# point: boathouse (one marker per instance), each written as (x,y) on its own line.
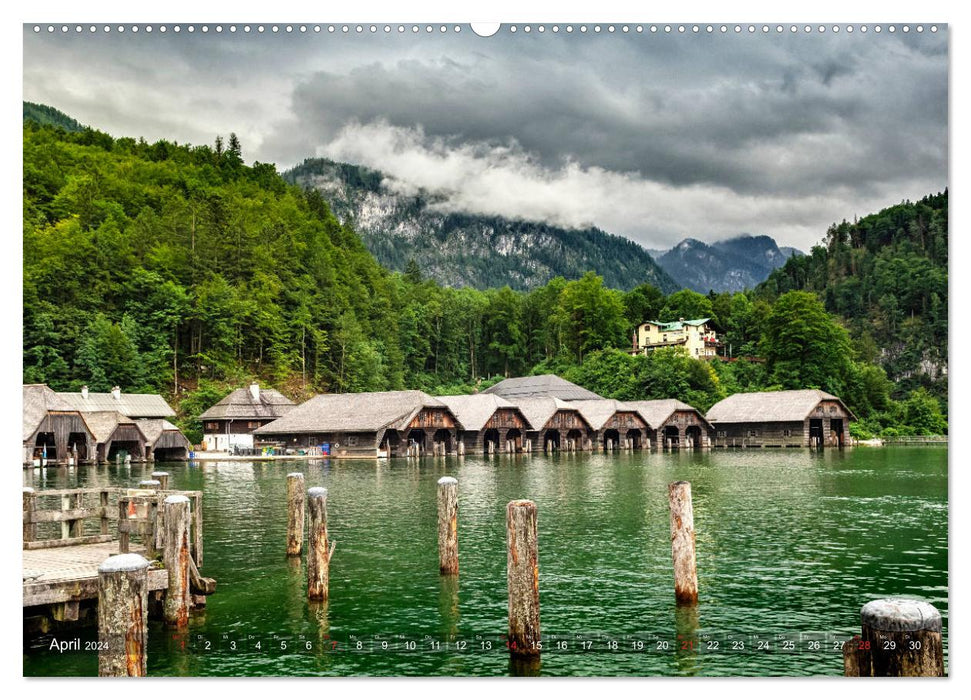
(798,418)
(131,405)
(613,424)
(489,423)
(540,386)
(115,434)
(53,430)
(230,423)
(555,425)
(675,424)
(164,441)
(373,424)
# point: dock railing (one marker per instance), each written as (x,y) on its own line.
(68,517)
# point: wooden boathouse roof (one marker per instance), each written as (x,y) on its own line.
(242,404)
(353,413)
(473,411)
(770,406)
(132,405)
(103,423)
(154,429)
(658,411)
(598,412)
(38,400)
(539,410)
(543,385)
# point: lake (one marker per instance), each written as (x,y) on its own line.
(790,545)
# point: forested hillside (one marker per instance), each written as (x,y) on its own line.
(885,275)
(179,269)
(48,116)
(469,250)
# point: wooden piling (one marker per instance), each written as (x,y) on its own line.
(153,484)
(904,638)
(296,507)
(522,575)
(318,552)
(163,480)
(856,660)
(461,448)
(30,528)
(175,556)
(448,536)
(683,543)
(123,615)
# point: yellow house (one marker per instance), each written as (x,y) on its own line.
(696,336)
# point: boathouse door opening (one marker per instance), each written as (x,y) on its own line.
(672,433)
(551,441)
(634,435)
(443,436)
(692,435)
(491,437)
(575,438)
(417,436)
(515,437)
(611,439)
(78,441)
(836,431)
(816,431)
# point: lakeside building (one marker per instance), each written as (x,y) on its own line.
(613,424)
(371,424)
(489,422)
(542,385)
(673,423)
(230,423)
(796,418)
(53,430)
(129,405)
(555,424)
(696,336)
(164,441)
(115,433)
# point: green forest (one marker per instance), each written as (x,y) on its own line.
(178,269)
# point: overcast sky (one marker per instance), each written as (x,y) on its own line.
(655,137)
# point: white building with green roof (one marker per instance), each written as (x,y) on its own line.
(697,336)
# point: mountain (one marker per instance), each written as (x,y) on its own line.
(470,250)
(48,116)
(886,276)
(731,265)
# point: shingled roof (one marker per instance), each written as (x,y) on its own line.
(539,410)
(352,413)
(473,411)
(38,400)
(132,405)
(152,428)
(656,412)
(241,404)
(103,423)
(770,406)
(548,385)
(598,412)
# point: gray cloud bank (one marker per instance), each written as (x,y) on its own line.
(652,137)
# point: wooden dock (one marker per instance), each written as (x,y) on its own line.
(69,533)
(66,574)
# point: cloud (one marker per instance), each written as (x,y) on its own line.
(504,179)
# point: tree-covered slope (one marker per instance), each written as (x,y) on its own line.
(49,116)
(468,250)
(885,275)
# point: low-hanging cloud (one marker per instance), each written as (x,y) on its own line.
(503,179)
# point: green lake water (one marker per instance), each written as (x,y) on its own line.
(790,545)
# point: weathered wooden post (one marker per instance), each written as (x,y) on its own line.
(30,528)
(856,659)
(163,480)
(448,536)
(175,556)
(904,638)
(296,507)
(461,448)
(319,551)
(123,615)
(153,484)
(522,575)
(683,543)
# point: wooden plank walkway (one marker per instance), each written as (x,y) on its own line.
(65,574)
